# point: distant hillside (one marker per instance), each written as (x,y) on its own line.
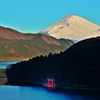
(73,27)
(78,66)
(9,33)
(18,46)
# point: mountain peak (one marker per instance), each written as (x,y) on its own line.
(70,16)
(66,19)
(73,27)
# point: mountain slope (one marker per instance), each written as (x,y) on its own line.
(9,33)
(21,49)
(77,68)
(73,27)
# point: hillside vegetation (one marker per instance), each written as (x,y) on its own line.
(13,49)
(78,66)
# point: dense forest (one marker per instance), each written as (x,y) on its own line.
(78,66)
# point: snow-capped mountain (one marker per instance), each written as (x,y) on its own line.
(73,27)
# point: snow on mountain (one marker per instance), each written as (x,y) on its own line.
(73,27)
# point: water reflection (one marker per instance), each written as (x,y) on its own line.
(50,88)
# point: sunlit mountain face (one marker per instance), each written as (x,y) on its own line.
(15,45)
(73,27)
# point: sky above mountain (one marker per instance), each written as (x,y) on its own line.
(36,15)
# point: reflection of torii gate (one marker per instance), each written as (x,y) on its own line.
(50,83)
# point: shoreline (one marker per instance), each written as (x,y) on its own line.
(79,90)
(4,60)
(58,88)
(3,77)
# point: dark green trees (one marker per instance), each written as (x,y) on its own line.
(77,66)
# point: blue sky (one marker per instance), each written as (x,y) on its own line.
(36,15)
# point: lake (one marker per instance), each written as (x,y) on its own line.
(39,93)
(3,64)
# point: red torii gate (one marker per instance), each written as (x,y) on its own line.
(50,83)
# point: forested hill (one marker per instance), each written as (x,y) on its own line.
(78,66)
(15,45)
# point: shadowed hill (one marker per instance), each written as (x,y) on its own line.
(78,66)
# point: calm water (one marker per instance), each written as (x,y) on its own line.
(3,64)
(37,93)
